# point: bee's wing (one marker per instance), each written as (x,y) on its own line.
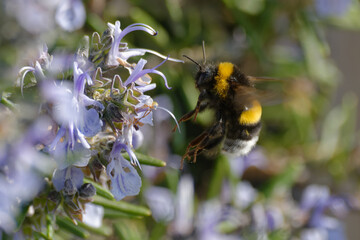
(263,79)
(246,95)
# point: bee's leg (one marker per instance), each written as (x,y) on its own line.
(204,141)
(200,106)
(195,142)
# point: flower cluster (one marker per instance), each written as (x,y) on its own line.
(91,120)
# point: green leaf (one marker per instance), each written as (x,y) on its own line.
(147,160)
(6,102)
(316,54)
(22,215)
(40,235)
(102,231)
(66,224)
(130,229)
(96,22)
(252,7)
(221,170)
(49,227)
(122,207)
(158,231)
(100,190)
(284,179)
(227,227)
(114,214)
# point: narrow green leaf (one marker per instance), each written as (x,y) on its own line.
(147,160)
(58,237)
(40,235)
(158,231)
(100,190)
(227,227)
(49,227)
(22,215)
(130,229)
(284,179)
(221,170)
(66,224)
(6,102)
(122,206)
(96,22)
(114,214)
(102,231)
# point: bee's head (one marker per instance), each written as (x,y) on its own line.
(204,78)
(205,74)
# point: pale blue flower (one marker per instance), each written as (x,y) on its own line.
(274,217)
(119,52)
(125,181)
(75,120)
(38,16)
(93,215)
(33,15)
(314,234)
(244,195)
(71,116)
(21,173)
(255,158)
(74,174)
(41,64)
(138,113)
(315,200)
(332,8)
(259,218)
(161,202)
(210,214)
(70,15)
(184,206)
(336,233)
(137,139)
(70,153)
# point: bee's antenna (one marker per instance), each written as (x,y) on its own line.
(200,67)
(204,55)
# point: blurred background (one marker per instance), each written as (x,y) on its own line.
(310,136)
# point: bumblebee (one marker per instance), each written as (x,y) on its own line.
(231,93)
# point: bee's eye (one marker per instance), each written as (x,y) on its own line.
(203,78)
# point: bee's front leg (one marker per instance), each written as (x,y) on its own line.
(200,106)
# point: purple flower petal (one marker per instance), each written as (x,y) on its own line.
(137,139)
(65,156)
(73,173)
(245,194)
(92,123)
(332,8)
(61,133)
(139,66)
(125,181)
(58,178)
(136,74)
(145,88)
(313,196)
(184,206)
